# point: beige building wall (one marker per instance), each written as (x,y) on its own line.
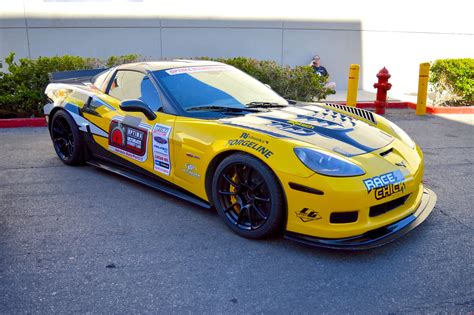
(396,34)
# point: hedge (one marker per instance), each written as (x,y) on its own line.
(452,82)
(22,87)
(298,83)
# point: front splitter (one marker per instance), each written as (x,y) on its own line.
(377,237)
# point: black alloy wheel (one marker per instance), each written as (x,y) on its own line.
(247,196)
(66,139)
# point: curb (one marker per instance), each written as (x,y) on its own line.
(429,109)
(446,110)
(23,122)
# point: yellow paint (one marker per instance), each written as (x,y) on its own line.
(194,143)
(422,89)
(352,85)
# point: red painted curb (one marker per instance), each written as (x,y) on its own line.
(372,104)
(429,109)
(389,105)
(446,110)
(22,122)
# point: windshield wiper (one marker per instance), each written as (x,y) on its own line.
(221,109)
(264,105)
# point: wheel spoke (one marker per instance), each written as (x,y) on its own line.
(260,212)
(237,175)
(258,184)
(246,175)
(261,199)
(230,181)
(70,148)
(57,130)
(249,214)
(231,206)
(240,216)
(249,176)
(227,193)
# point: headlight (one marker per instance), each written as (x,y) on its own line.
(327,163)
(403,135)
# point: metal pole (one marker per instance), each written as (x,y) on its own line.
(352,85)
(422,88)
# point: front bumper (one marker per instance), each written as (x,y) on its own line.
(377,237)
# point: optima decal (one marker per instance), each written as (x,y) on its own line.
(127,140)
(385,185)
(161,149)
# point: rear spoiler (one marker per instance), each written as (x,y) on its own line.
(73,76)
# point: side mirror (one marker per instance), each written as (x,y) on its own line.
(137,106)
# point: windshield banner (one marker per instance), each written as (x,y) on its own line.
(197,69)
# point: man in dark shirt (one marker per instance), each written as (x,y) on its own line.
(322,71)
(316,64)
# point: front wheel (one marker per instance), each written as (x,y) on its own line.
(248,197)
(66,139)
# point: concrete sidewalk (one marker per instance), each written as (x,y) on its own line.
(364,96)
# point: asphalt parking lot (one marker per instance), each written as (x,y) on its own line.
(78,239)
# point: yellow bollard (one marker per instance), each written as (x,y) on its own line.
(352,85)
(422,88)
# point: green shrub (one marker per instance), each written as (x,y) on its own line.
(298,83)
(452,81)
(22,88)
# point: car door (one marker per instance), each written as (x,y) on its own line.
(130,138)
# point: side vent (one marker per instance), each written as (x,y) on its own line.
(354,110)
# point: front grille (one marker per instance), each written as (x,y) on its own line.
(386,207)
(354,110)
(343,217)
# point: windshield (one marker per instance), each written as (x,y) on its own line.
(209,87)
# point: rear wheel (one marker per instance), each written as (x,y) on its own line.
(247,196)
(66,139)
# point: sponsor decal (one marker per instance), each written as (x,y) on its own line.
(127,140)
(386,184)
(193,156)
(176,71)
(401,164)
(161,149)
(252,145)
(245,142)
(245,135)
(307,215)
(300,124)
(191,170)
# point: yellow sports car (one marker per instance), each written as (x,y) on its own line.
(322,174)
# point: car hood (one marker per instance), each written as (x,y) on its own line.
(316,126)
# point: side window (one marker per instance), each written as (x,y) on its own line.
(150,95)
(100,79)
(129,85)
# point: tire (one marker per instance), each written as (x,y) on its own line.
(67,141)
(248,197)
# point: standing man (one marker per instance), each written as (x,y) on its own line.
(322,71)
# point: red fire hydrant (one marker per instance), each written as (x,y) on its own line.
(382,87)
